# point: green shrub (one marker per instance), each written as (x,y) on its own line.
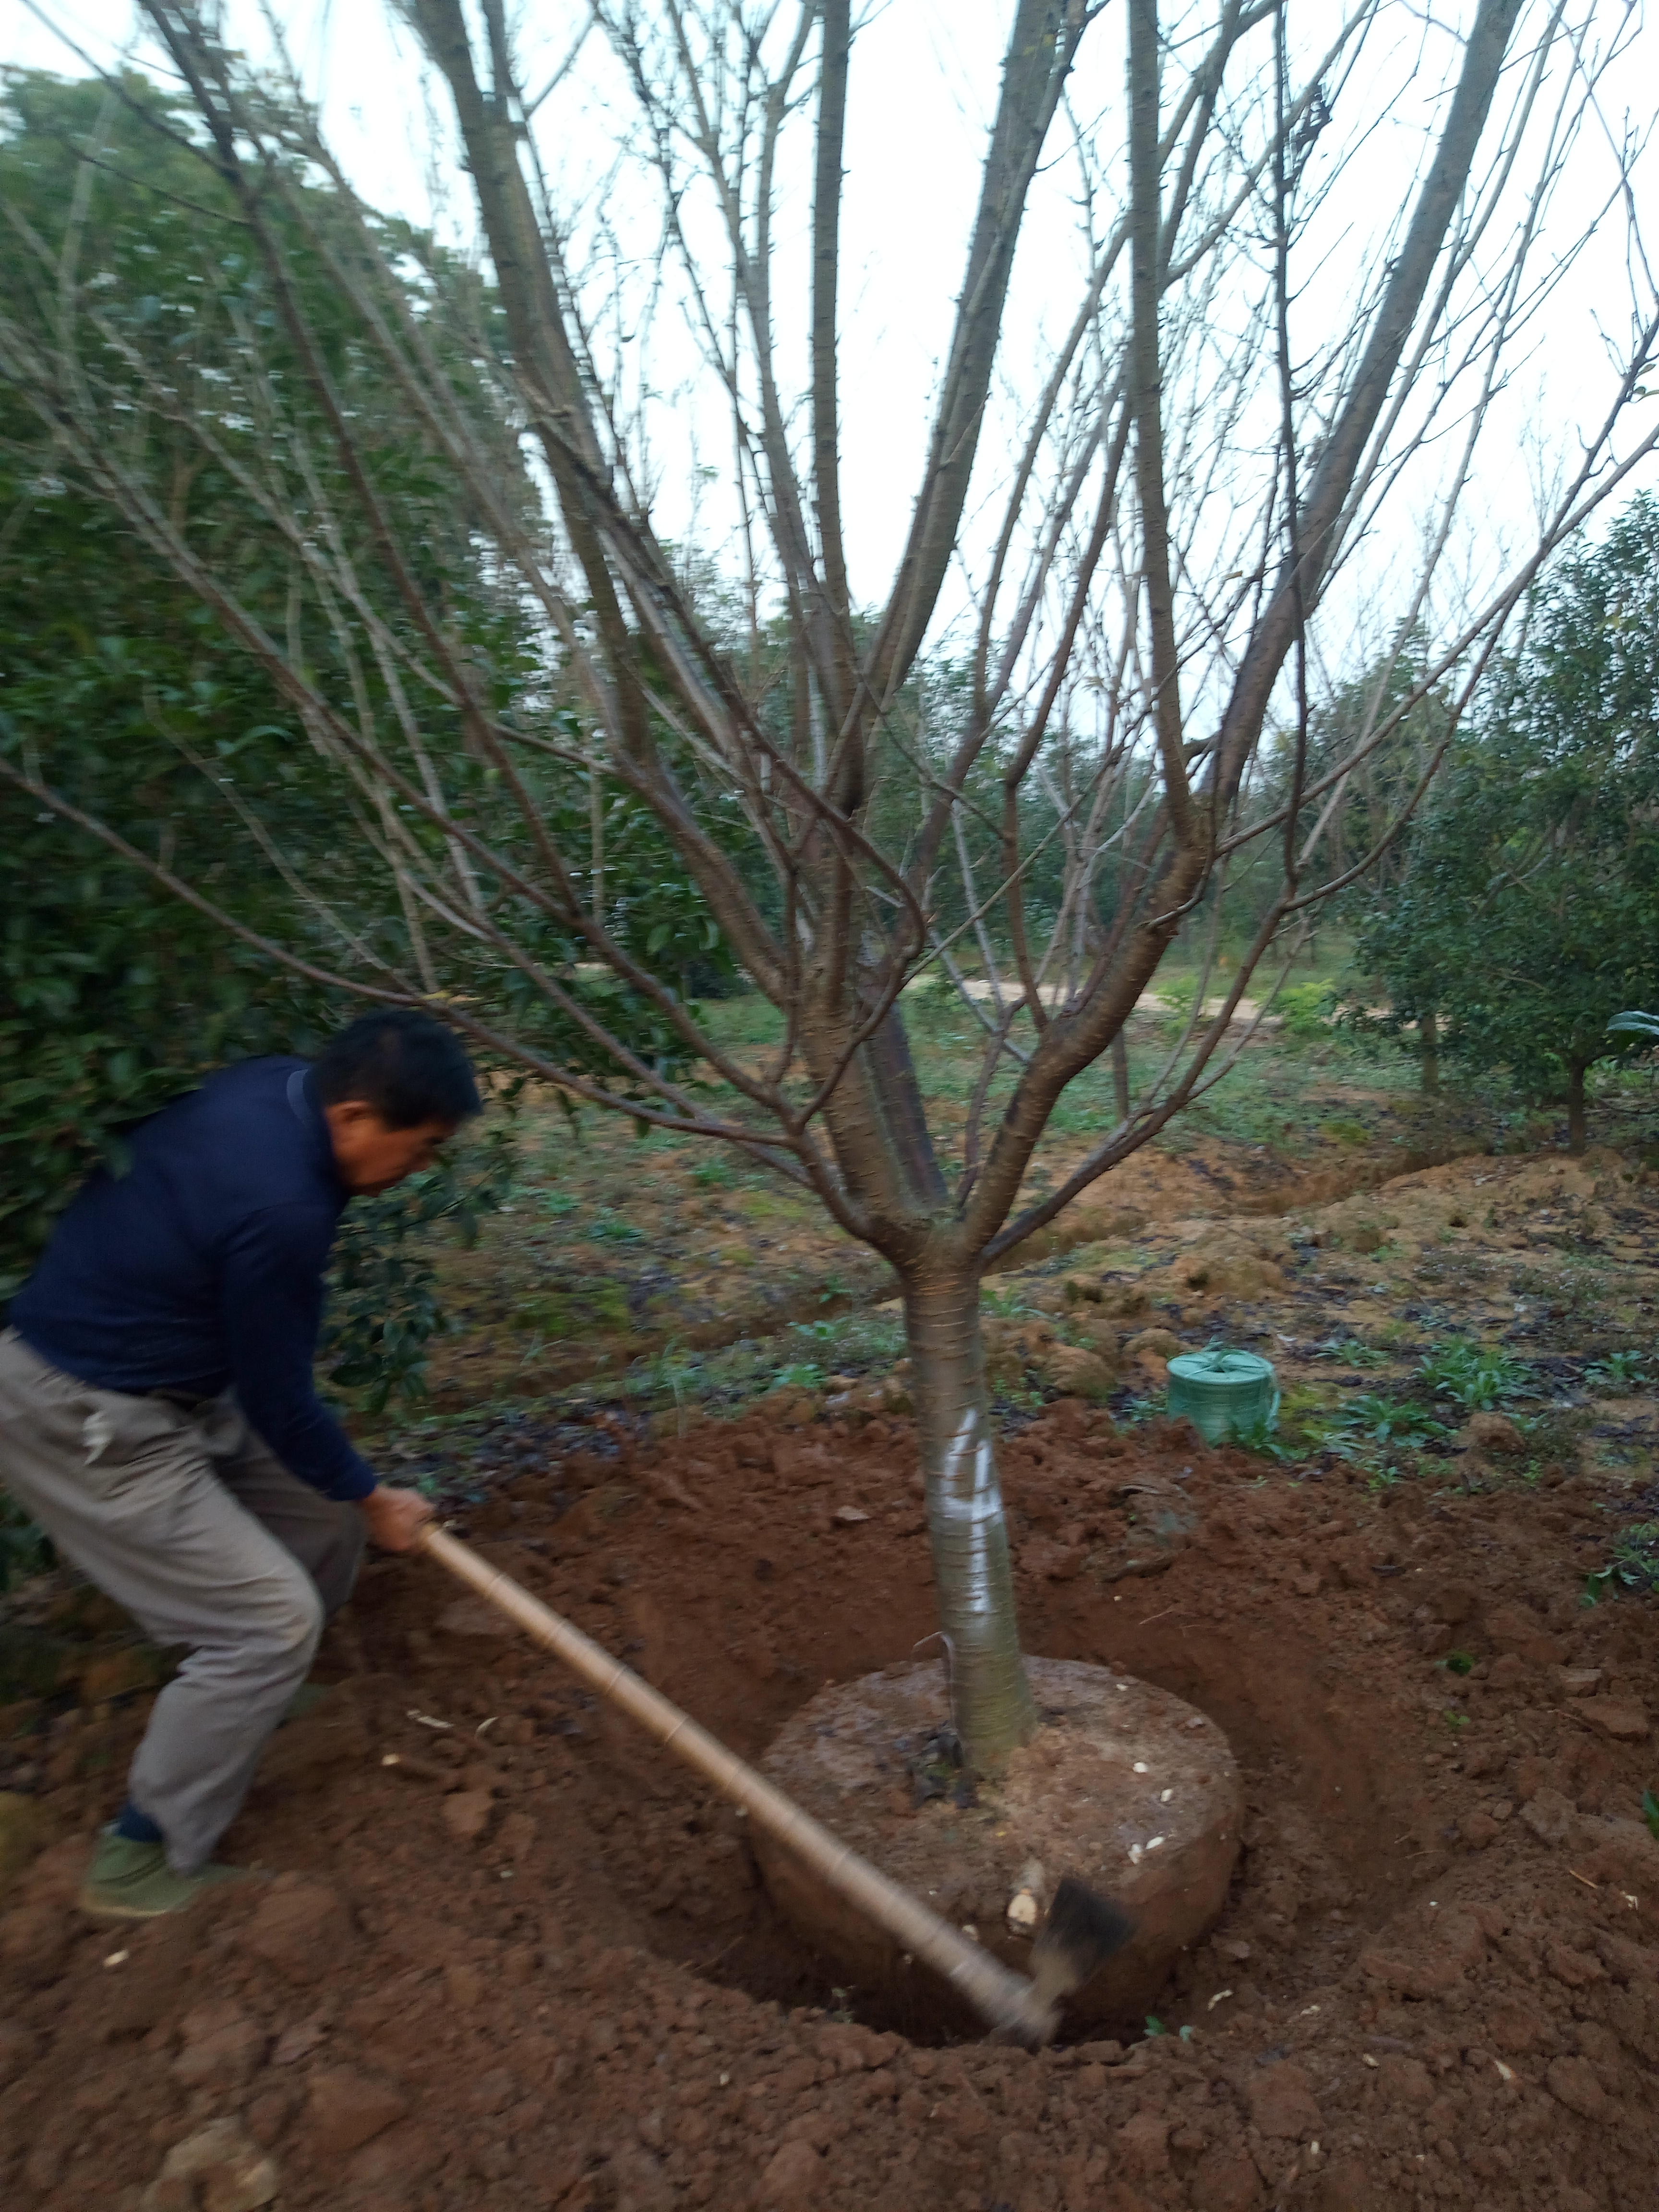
(1306,1011)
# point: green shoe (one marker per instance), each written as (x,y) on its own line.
(133,1881)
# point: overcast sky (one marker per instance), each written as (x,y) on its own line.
(924,80)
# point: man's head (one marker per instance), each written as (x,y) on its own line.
(393,1086)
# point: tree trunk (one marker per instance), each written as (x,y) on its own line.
(994,1708)
(1576,1131)
(1428,1042)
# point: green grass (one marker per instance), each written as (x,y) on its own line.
(1476,1376)
(609,1228)
(1619,1371)
(1634,1564)
(801,1357)
(1269,1097)
(1352,1351)
(552,1317)
(1371,1419)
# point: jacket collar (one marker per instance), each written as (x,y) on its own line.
(304,1105)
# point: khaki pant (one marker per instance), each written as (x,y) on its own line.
(188,1521)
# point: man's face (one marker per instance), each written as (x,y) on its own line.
(368,1157)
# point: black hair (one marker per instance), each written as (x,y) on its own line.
(407,1068)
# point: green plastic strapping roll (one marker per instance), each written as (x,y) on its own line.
(1221,1392)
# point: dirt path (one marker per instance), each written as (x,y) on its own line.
(513,1961)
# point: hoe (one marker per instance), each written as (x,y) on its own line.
(1081,1932)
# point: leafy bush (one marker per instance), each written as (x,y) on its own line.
(1528,914)
(1306,1012)
(384,1309)
(1180,995)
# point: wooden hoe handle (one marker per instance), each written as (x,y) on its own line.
(1007,2000)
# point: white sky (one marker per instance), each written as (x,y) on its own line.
(923,82)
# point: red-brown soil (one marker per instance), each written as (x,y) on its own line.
(529,1965)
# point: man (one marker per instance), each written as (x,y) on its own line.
(158,1416)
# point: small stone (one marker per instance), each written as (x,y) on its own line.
(1022,1912)
(1405,2081)
(1454,1601)
(347,2108)
(494,2091)
(1573,2082)
(1144,2142)
(1509,2024)
(1578,1681)
(467,1814)
(1576,1968)
(302,1929)
(849,1516)
(1514,1630)
(463,1986)
(224,2048)
(1549,1815)
(792,2176)
(1282,2104)
(1078,1371)
(1423,1963)
(518,1835)
(1613,1717)
(299,2041)
(218,2169)
(470,1620)
(1054,1563)
(1226,2180)
(268,2115)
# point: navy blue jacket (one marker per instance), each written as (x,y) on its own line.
(202,1267)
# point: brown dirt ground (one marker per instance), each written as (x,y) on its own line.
(528,1966)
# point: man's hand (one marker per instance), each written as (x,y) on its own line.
(395,1518)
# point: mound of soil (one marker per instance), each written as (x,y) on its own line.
(515,1960)
(1123,1787)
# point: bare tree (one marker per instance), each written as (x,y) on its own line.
(1183,496)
